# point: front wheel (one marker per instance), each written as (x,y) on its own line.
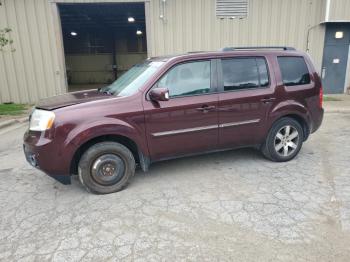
(106,167)
(284,140)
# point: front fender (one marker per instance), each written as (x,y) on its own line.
(105,126)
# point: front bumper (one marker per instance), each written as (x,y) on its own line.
(43,154)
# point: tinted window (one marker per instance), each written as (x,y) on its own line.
(263,73)
(242,73)
(187,79)
(133,79)
(294,71)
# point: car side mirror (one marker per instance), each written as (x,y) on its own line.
(159,94)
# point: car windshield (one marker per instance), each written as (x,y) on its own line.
(133,79)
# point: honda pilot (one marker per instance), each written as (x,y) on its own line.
(167,107)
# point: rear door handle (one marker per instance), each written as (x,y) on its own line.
(268,100)
(205,108)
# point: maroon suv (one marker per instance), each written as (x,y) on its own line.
(168,107)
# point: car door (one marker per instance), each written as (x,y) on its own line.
(246,93)
(188,122)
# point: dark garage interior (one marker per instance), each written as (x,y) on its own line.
(101,41)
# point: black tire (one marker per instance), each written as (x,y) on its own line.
(272,142)
(106,167)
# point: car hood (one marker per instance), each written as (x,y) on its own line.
(69,99)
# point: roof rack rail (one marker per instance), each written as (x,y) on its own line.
(257,47)
(195,52)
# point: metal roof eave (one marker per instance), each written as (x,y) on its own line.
(335,21)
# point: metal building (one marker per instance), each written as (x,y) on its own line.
(65,44)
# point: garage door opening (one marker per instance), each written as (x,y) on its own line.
(101,42)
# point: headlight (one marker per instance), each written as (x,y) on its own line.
(41,120)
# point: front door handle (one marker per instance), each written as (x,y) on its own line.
(205,108)
(268,100)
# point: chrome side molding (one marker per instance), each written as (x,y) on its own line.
(240,123)
(186,130)
(195,129)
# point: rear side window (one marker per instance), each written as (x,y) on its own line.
(244,73)
(263,73)
(294,70)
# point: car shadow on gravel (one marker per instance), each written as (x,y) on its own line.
(188,169)
(199,163)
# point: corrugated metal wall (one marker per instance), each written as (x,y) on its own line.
(193,25)
(36,69)
(33,71)
(339,10)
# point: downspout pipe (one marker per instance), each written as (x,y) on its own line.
(328,7)
(308,37)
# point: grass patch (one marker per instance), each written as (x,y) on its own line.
(330,98)
(12,109)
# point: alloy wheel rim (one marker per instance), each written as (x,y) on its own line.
(108,169)
(286,141)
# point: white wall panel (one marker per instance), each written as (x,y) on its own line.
(32,71)
(37,69)
(339,10)
(192,25)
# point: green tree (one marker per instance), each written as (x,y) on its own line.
(5,39)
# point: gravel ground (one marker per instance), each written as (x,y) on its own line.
(231,206)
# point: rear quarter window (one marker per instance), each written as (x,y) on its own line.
(294,70)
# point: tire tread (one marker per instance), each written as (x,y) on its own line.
(266,147)
(104,147)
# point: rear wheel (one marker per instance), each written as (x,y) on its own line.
(284,140)
(106,167)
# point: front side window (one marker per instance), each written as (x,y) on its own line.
(294,70)
(244,73)
(186,79)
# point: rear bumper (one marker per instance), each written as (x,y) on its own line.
(317,120)
(43,154)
